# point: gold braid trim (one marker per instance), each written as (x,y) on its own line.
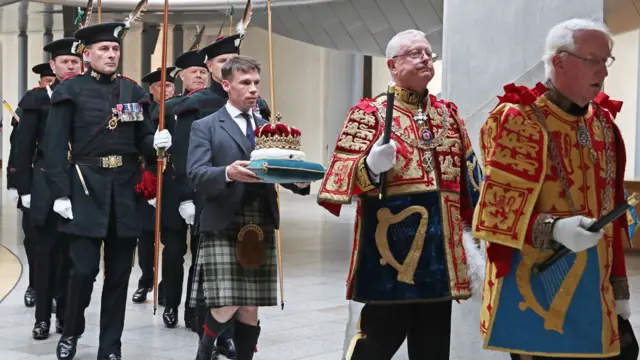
(363,181)
(620,285)
(542,231)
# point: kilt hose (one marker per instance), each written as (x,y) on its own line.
(220,280)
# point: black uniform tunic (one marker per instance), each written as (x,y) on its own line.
(29,179)
(52,253)
(81,108)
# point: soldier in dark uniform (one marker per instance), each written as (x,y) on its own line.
(197,106)
(52,251)
(103,118)
(178,208)
(146,241)
(47,77)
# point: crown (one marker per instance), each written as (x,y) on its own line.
(279,136)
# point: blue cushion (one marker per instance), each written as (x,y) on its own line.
(287,171)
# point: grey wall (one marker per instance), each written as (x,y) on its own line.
(506,45)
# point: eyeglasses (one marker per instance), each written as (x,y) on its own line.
(592,60)
(418,54)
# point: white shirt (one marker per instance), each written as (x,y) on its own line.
(237,117)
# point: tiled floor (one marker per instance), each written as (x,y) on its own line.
(316,249)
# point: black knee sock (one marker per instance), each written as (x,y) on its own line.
(246,339)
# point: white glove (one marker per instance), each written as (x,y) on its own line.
(188,211)
(63,207)
(162,139)
(152,202)
(13,194)
(381,157)
(571,232)
(26,201)
(623,309)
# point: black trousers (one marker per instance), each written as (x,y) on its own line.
(85,256)
(175,247)
(426,327)
(146,250)
(30,246)
(52,272)
(189,312)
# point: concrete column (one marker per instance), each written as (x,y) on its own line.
(506,45)
(149,37)
(23,45)
(178,48)
(47,24)
(486,46)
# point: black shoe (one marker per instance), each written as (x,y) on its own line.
(67,346)
(59,326)
(54,306)
(140,295)
(30,297)
(170,317)
(226,347)
(41,330)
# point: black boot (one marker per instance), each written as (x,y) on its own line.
(211,330)
(246,339)
(225,346)
(30,297)
(41,330)
(67,346)
(170,317)
(140,295)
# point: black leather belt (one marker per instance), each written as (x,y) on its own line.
(106,162)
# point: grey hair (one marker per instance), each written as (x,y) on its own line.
(562,37)
(394,44)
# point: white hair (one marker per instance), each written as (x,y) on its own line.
(394,44)
(562,37)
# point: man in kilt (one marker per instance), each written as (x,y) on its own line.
(235,271)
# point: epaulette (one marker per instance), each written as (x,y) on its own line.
(613,106)
(195,91)
(518,95)
(366,106)
(69,77)
(128,78)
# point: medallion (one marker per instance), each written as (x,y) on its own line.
(420,118)
(426,135)
(583,136)
(427,161)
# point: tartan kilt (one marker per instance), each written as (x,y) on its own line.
(220,280)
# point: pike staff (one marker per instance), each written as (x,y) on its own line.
(161,160)
(274,119)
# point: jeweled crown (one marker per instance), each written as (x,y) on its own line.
(278,136)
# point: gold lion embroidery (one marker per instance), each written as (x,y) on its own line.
(449,171)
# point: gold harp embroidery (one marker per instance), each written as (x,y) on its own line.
(560,300)
(407,269)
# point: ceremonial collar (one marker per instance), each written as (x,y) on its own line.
(102,78)
(564,103)
(410,97)
(217,88)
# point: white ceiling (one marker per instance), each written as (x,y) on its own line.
(363,26)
